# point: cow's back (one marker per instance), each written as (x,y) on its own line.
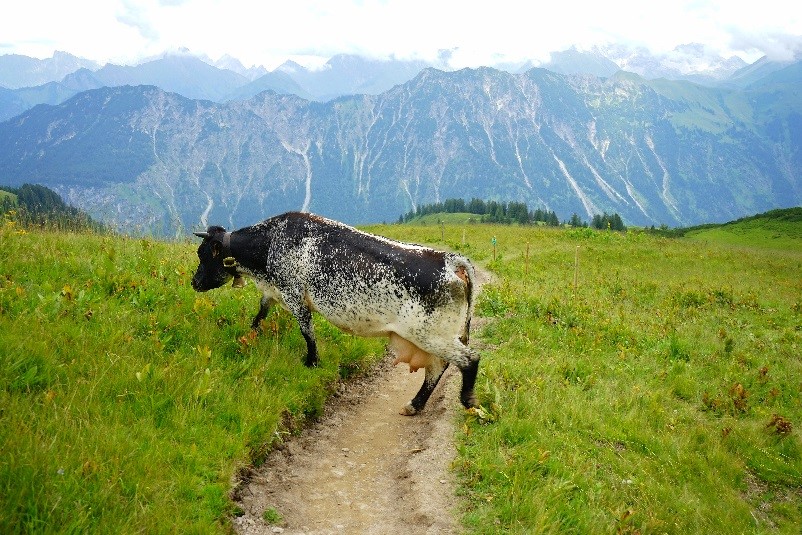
(370,285)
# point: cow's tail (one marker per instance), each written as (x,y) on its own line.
(464,270)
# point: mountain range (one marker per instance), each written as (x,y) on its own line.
(653,151)
(26,82)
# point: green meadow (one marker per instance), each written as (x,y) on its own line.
(630,383)
(128,402)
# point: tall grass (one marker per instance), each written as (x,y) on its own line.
(661,394)
(127,400)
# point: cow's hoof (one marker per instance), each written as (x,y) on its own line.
(408,410)
(470,402)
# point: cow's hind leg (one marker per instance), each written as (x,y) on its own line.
(466,359)
(469,372)
(434,371)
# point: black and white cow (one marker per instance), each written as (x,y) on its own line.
(367,285)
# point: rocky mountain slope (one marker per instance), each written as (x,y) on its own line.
(654,152)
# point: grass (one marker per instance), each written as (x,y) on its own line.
(659,395)
(271,516)
(779,230)
(459,218)
(128,401)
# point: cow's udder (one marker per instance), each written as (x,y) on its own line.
(406,351)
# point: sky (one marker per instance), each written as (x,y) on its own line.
(471,33)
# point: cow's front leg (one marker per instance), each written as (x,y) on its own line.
(264,308)
(304,316)
(434,371)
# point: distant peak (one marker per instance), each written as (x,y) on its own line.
(290,66)
(180,51)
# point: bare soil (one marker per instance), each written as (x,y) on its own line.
(364,468)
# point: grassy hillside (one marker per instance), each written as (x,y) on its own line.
(777,229)
(127,400)
(454,219)
(459,218)
(661,393)
(33,205)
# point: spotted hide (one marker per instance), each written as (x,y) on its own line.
(420,298)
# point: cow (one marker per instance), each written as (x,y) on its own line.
(420,298)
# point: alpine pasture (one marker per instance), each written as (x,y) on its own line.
(629,383)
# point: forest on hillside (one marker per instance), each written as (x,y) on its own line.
(32,205)
(511,212)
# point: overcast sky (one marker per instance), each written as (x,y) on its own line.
(478,33)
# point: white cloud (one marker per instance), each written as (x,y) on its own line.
(778,47)
(477,32)
(134,15)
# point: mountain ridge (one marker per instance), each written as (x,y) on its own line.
(344,74)
(18,71)
(653,151)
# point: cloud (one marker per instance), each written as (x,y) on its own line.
(474,32)
(776,47)
(137,16)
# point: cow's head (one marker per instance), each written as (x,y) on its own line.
(212,270)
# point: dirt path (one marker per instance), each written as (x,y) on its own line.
(364,468)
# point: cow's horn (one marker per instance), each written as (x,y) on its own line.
(201,234)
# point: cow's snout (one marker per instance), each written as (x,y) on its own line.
(206,279)
(196,283)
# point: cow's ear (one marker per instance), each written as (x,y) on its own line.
(216,248)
